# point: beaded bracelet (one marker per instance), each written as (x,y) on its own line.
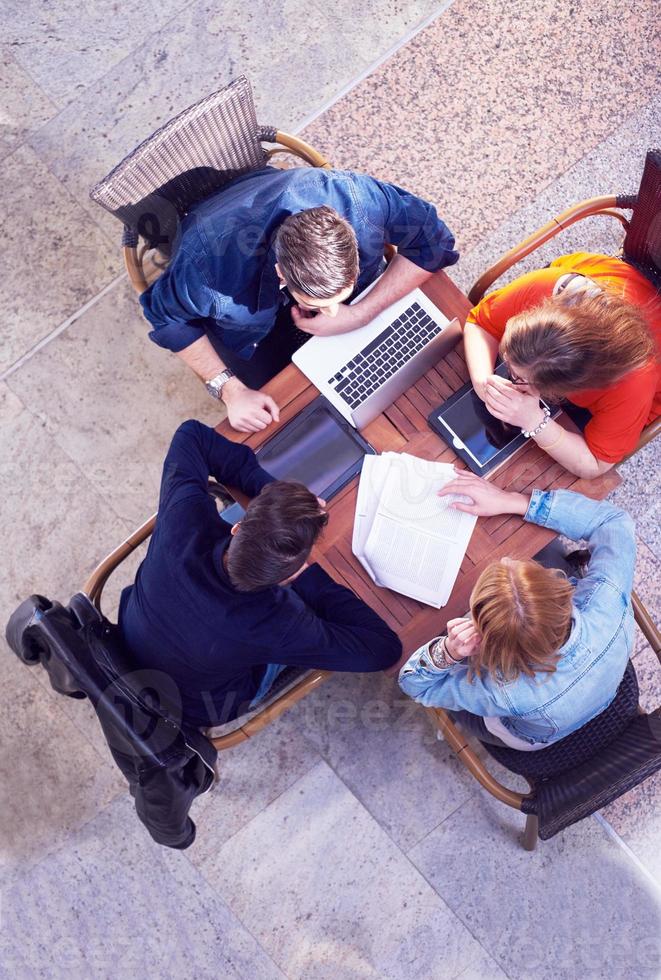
(545,421)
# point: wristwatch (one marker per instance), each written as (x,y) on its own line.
(215,385)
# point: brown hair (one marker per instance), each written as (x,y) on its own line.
(317,252)
(522,612)
(275,536)
(568,343)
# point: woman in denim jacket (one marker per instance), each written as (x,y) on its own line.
(540,654)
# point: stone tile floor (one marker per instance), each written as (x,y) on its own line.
(345,841)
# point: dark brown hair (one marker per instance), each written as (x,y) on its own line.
(567,344)
(522,612)
(275,536)
(317,252)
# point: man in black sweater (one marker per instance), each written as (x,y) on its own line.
(216,607)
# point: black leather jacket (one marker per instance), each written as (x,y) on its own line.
(167,764)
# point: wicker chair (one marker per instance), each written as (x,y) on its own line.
(641,246)
(189,158)
(581,773)
(290,686)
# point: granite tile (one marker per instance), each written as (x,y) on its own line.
(112,904)
(639,494)
(577,906)
(464,114)
(636,818)
(614,166)
(648,672)
(24,106)
(55,258)
(252,775)
(328,894)
(59,527)
(52,779)
(112,400)
(647,581)
(295,64)
(66,46)
(383,747)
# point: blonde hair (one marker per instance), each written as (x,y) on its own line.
(522,612)
(575,342)
(317,252)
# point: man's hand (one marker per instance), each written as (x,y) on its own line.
(463,639)
(248,410)
(512,403)
(319,325)
(484,499)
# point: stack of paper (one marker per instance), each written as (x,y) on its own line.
(407,537)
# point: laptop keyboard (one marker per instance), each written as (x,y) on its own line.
(386,354)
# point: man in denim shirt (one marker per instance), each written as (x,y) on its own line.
(534,710)
(281,251)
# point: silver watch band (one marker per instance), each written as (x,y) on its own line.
(215,385)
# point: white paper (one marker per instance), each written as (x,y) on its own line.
(407,537)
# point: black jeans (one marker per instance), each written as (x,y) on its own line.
(272,354)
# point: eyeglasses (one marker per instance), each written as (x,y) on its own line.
(514,378)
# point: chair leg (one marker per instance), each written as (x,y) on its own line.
(530,834)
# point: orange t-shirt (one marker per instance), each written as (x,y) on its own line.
(621,411)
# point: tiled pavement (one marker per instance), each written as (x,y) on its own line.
(344,841)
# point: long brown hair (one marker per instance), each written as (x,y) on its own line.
(570,343)
(522,612)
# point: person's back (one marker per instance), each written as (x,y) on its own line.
(208,605)
(541,654)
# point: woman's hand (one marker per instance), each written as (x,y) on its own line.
(463,639)
(516,404)
(485,499)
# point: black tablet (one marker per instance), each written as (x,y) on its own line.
(482,441)
(318,447)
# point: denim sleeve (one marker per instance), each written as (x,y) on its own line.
(609,532)
(178,298)
(407,222)
(448,687)
(198,452)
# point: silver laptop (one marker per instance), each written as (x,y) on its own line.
(362,372)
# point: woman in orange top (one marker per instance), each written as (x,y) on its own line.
(586,329)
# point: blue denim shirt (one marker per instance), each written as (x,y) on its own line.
(222,277)
(548,706)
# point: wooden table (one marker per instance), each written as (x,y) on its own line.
(403,427)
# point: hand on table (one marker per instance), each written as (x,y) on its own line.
(320,325)
(516,404)
(248,410)
(463,639)
(485,499)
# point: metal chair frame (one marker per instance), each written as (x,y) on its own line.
(284,143)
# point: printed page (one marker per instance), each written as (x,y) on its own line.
(417,541)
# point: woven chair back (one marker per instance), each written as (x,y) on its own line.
(642,245)
(186,160)
(581,745)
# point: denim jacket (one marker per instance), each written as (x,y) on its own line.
(549,706)
(222,277)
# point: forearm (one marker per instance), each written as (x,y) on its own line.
(481,350)
(609,531)
(400,278)
(201,358)
(570,450)
(349,635)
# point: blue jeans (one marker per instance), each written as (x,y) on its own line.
(270,674)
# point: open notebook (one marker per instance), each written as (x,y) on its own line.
(407,537)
